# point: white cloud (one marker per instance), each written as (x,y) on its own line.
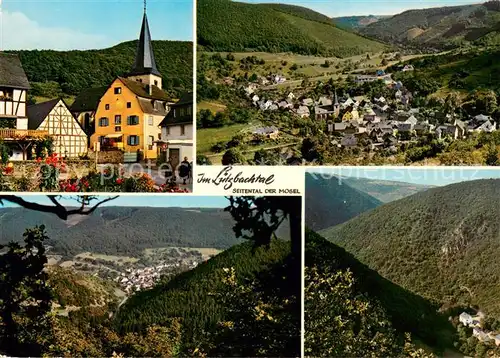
(22,33)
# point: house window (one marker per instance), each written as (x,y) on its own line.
(118,90)
(118,129)
(132,120)
(174,112)
(189,110)
(168,130)
(156,83)
(133,140)
(159,136)
(107,107)
(129,104)
(103,122)
(150,142)
(150,121)
(118,119)
(6,94)
(183,129)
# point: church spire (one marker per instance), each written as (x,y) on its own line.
(145,60)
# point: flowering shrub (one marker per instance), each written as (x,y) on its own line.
(7,170)
(49,172)
(139,182)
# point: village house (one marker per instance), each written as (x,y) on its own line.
(307,102)
(250,89)
(407,68)
(465,318)
(269,132)
(14,129)
(129,114)
(303,111)
(177,132)
(69,138)
(349,141)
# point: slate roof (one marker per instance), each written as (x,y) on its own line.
(38,112)
(12,73)
(145,59)
(139,89)
(88,100)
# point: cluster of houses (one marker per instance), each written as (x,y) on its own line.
(132,114)
(375,121)
(477,331)
(133,280)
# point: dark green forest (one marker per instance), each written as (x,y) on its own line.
(56,73)
(225,25)
(331,202)
(441,244)
(189,295)
(375,313)
(125,230)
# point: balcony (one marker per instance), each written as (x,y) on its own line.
(15,134)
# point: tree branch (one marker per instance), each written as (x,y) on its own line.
(57,209)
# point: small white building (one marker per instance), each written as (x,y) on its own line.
(177,131)
(465,318)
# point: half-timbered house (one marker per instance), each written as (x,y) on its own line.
(69,138)
(14,129)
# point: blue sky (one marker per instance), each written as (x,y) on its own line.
(437,176)
(91,24)
(186,201)
(335,8)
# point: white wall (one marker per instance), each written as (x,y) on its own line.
(22,123)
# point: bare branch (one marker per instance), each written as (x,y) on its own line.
(57,209)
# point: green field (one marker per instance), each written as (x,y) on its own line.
(207,137)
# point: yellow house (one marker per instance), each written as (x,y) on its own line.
(129,113)
(347,117)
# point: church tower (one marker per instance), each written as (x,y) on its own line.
(336,105)
(144,69)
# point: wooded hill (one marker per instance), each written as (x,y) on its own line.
(329,202)
(225,25)
(389,310)
(56,73)
(332,199)
(124,230)
(356,22)
(440,27)
(441,244)
(188,295)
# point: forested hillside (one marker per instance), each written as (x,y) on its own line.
(125,230)
(352,311)
(330,202)
(54,73)
(439,27)
(225,25)
(441,244)
(356,22)
(189,295)
(384,190)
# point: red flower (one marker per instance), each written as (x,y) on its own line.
(119,181)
